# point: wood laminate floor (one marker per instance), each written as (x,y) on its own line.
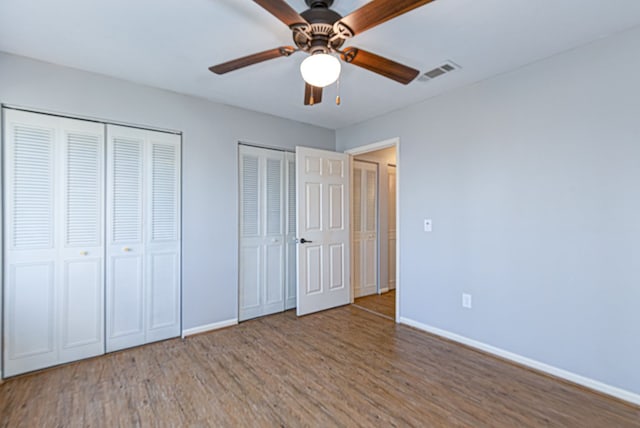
(343,367)
(382,304)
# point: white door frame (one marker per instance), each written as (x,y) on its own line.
(392,142)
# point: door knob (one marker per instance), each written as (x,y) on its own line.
(84,253)
(126,249)
(304,241)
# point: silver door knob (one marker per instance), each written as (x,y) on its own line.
(84,253)
(126,249)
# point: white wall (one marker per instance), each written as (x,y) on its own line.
(532,180)
(210,137)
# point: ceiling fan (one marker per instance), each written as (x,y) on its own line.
(320,32)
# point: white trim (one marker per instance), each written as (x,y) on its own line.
(373,146)
(384,290)
(209,327)
(604,388)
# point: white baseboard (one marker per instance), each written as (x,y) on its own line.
(384,290)
(555,371)
(209,327)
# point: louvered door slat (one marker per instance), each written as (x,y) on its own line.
(371,194)
(250,196)
(274,196)
(32,188)
(164,192)
(127,191)
(84,190)
(291,195)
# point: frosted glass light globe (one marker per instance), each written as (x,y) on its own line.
(320,70)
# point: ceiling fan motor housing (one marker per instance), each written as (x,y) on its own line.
(320,36)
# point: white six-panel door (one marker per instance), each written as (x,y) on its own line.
(322,184)
(143,236)
(365,228)
(53,303)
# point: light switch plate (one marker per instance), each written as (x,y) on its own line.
(428,225)
(466,300)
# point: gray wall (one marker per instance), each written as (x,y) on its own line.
(210,137)
(532,180)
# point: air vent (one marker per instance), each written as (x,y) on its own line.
(445,68)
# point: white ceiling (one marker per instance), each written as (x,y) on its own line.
(170,44)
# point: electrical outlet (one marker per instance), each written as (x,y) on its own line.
(466,300)
(428,225)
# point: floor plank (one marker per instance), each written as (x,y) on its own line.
(343,367)
(383,304)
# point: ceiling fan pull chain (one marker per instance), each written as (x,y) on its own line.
(338,92)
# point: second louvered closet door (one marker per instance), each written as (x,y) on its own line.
(143,236)
(266,233)
(365,228)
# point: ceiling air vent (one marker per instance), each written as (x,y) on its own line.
(445,68)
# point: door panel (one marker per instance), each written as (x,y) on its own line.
(391,173)
(163,301)
(290,236)
(82,300)
(336,266)
(125,249)
(82,274)
(250,261)
(274,275)
(31,311)
(125,302)
(323,188)
(365,231)
(313,261)
(162,236)
(263,231)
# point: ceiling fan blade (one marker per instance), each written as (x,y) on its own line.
(312,95)
(281,10)
(381,65)
(378,11)
(245,61)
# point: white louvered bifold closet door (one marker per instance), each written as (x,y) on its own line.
(54,258)
(143,236)
(262,232)
(365,228)
(391,174)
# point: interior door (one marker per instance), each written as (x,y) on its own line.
(391,173)
(262,232)
(125,246)
(365,228)
(322,183)
(162,243)
(30,292)
(53,246)
(81,273)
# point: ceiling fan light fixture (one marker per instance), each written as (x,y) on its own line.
(320,69)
